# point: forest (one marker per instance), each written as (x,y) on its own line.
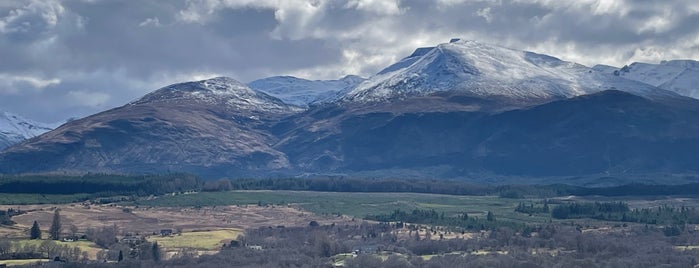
(102,185)
(99,184)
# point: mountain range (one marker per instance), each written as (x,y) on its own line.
(459,109)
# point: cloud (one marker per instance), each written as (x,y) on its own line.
(382,7)
(485,13)
(15,84)
(37,82)
(99,54)
(155,22)
(35,17)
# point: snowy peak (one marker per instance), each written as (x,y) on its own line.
(220,91)
(406,62)
(302,92)
(14,129)
(679,76)
(16,124)
(484,70)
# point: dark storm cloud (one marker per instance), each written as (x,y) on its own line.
(74,57)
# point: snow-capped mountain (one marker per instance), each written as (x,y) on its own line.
(459,109)
(680,76)
(216,126)
(483,70)
(221,91)
(302,92)
(14,129)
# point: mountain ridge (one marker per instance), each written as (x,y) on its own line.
(449,111)
(679,76)
(485,71)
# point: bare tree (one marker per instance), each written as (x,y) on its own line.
(49,247)
(73,230)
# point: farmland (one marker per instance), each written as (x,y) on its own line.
(205,223)
(357,205)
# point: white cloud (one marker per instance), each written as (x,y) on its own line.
(154,22)
(38,82)
(383,7)
(10,84)
(35,16)
(485,13)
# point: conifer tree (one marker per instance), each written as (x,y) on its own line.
(55,230)
(156,251)
(35,232)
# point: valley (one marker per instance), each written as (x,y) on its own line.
(213,225)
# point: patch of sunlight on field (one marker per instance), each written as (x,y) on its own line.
(430,256)
(202,240)
(339,259)
(683,248)
(486,252)
(22,262)
(478,252)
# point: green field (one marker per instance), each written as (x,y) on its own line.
(31,199)
(22,262)
(203,240)
(354,204)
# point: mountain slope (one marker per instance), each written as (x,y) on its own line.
(680,76)
(302,92)
(216,126)
(14,129)
(487,71)
(607,133)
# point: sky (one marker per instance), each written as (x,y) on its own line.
(71,58)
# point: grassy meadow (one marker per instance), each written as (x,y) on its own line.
(354,204)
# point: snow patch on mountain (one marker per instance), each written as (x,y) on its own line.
(680,76)
(217,91)
(485,70)
(302,92)
(14,129)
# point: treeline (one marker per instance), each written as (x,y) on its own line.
(47,249)
(104,184)
(595,210)
(6,216)
(140,185)
(333,184)
(431,217)
(619,211)
(532,209)
(450,187)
